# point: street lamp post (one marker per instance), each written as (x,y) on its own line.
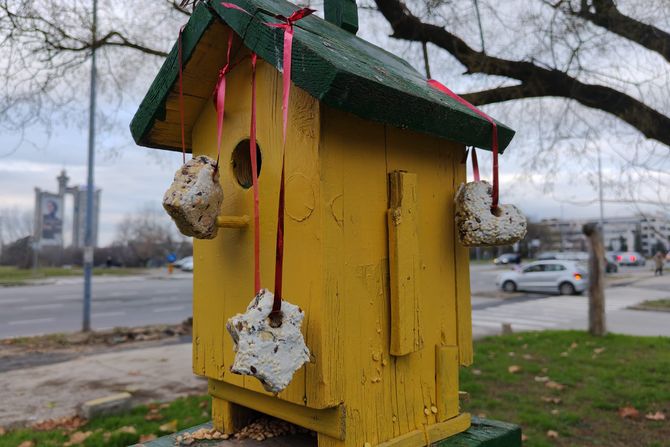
(88,235)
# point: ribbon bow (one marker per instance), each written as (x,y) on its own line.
(219,97)
(494,138)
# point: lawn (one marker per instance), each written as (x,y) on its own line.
(118,431)
(15,276)
(575,385)
(563,388)
(654,305)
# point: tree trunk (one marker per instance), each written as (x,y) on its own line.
(596,280)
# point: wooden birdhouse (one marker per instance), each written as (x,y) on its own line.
(374,157)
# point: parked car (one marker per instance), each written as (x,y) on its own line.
(182,261)
(563,277)
(630,258)
(610,263)
(187,265)
(507,258)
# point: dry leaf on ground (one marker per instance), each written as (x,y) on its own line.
(573,345)
(477,372)
(524,438)
(27,444)
(169,427)
(555,412)
(551,400)
(153,415)
(552,434)
(68,423)
(513,369)
(598,350)
(658,416)
(629,412)
(2,431)
(127,429)
(147,438)
(554,385)
(541,379)
(77,438)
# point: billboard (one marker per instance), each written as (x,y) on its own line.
(51,219)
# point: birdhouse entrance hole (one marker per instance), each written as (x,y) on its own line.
(241,163)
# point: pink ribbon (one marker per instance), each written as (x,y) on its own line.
(254,177)
(220,99)
(494,142)
(287,26)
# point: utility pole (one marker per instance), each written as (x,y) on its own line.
(90,187)
(600,196)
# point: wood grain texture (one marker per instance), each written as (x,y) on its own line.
(446,379)
(331,64)
(462,266)
(405,264)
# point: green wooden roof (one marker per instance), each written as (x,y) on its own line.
(331,64)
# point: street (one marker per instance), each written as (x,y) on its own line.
(116,301)
(537,311)
(141,300)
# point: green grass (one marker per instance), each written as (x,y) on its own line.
(630,371)
(16,276)
(187,412)
(656,304)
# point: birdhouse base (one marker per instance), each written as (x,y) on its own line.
(232,409)
(482,433)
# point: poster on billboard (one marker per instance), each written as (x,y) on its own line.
(51,210)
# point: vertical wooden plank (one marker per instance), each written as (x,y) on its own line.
(446,381)
(462,272)
(404,262)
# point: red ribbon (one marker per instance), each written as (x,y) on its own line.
(181,95)
(220,99)
(494,142)
(254,176)
(475,165)
(287,26)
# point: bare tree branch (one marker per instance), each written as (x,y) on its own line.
(605,14)
(536,80)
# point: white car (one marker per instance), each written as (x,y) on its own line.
(563,277)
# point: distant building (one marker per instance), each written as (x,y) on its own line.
(645,234)
(50,212)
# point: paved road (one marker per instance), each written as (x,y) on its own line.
(117,301)
(537,311)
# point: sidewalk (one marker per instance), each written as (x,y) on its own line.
(151,374)
(571,312)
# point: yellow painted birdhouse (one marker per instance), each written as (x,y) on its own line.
(374,156)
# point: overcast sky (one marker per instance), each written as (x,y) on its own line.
(132,177)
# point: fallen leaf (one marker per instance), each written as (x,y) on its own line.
(203,404)
(551,400)
(541,379)
(27,444)
(513,369)
(68,423)
(629,412)
(552,434)
(153,415)
(2,431)
(598,350)
(481,415)
(169,427)
(524,438)
(573,345)
(564,354)
(147,438)
(555,411)
(527,357)
(554,385)
(658,416)
(77,438)
(511,354)
(127,429)
(477,372)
